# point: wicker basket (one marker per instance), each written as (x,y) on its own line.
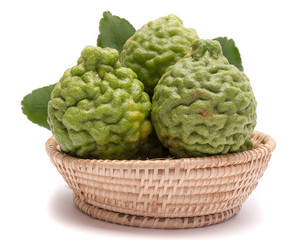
(164,193)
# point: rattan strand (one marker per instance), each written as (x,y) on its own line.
(165,188)
(151,222)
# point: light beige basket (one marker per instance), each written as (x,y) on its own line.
(164,193)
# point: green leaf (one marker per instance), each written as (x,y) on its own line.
(114,32)
(35,104)
(230,51)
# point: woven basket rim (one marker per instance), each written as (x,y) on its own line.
(265,143)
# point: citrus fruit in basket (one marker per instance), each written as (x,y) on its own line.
(154,47)
(152,148)
(98,109)
(203,105)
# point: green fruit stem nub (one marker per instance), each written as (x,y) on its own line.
(206,48)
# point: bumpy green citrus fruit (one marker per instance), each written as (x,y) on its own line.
(152,148)
(155,46)
(98,109)
(203,105)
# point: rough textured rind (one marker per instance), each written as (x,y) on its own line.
(155,46)
(203,105)
(98,109)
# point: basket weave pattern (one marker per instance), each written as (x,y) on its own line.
(164,193)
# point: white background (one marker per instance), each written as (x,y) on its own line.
(40,39)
